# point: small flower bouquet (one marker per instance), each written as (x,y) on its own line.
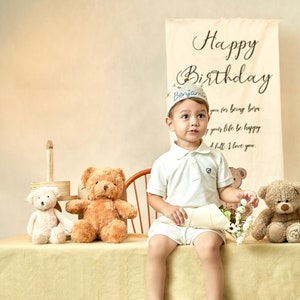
(240,219)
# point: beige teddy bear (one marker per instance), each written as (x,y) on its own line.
(43,223)
(279,222)
(104,214)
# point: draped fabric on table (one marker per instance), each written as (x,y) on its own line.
(104,271)
(237,63)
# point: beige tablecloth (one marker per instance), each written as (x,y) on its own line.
(254,270)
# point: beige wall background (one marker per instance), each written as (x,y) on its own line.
(91,76)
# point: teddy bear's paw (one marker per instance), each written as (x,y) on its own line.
(258,233)
(83,232)
(39,238)
(114,232)
(68,225)
(276,232)
(125,210)
(58,236)
(293,233)
(132,213)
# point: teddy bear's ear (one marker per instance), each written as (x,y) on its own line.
(121,173)
(55,191)
(262,192)
(30,197)
(86,175)
(243,172)
(297,187)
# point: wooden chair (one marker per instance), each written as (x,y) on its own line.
(136,188)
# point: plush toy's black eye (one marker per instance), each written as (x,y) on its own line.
(48,196)
(97,182)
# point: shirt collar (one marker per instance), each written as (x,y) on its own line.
(179,152)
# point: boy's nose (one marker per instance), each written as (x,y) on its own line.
(194,122)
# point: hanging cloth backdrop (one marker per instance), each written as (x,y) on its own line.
(237,63)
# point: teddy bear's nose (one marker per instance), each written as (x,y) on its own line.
(105,187)
(285,207)
(42,203)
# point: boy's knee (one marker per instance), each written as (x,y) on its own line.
(208,248)
(160,247)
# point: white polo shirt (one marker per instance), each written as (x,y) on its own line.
(190,179)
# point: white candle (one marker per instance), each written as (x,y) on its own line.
(49,158)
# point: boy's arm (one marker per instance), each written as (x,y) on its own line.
(234,195)
(174,212)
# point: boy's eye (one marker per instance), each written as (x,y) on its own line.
(185,116)
(201,116)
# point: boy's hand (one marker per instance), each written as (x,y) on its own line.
(251,198)
(176,213)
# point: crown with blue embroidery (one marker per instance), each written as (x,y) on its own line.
(187,91)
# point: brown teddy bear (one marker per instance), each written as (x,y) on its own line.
(238,174)
(279,222)
(104,214)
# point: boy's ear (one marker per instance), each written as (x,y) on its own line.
(169,123)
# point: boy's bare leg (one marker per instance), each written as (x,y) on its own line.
(159,248)
(208,246)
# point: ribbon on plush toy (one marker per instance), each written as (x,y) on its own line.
(207,216)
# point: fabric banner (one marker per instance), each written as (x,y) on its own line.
(237,63)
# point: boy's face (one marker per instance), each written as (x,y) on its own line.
(189,121)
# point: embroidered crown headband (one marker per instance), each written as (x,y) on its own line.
(186,91)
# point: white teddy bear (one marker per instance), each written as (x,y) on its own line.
(42,225)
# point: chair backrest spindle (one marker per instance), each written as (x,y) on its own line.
(136,187)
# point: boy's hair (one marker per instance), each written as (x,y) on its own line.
(187,91)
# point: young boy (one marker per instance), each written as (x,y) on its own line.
(190,174)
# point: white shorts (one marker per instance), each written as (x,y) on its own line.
(180,234)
